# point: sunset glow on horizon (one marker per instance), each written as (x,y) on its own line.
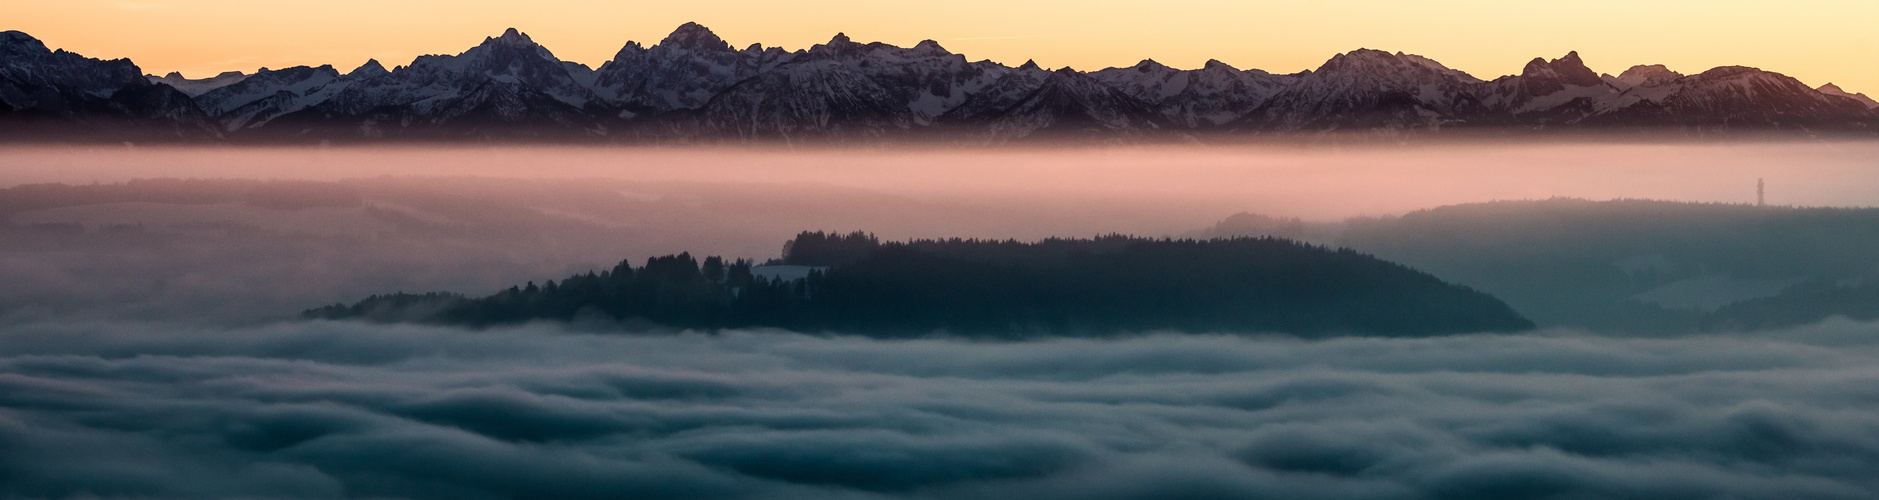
(1828,41)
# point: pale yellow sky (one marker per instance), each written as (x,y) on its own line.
(1818,42)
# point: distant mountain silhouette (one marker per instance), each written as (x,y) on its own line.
(1643,266)
(692,86)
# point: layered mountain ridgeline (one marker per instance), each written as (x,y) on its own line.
(996,289)
(1644,266)
(692,86)
(47,94)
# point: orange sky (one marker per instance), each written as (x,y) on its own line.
(1818,42)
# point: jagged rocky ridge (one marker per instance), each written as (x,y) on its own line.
(693,86)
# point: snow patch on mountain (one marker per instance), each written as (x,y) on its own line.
(1370,88)
(1727,96)
(1559,91)
(1835,90)
(197,87)
(1643,76)
(681,72)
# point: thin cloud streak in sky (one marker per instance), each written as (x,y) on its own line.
(1015,37)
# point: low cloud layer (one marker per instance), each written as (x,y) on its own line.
(315,410)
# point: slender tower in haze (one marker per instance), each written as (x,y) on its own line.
(1760,200)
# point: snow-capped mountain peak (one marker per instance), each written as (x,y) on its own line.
(1371,88)
(511,44)
(1216,64)
(1148,80)
(693,36)
(682,71)
(1150,66)
(838,46)
(1071,104)
(26,64)
(1835,90)
(1398,66)
(370,69)
(1725,96)
(284,91)
(115,96)
(1212,95)
(21,39)
(930,48)
(1644,76)
(1558,91)
(512,59)
(1568,70)
(198,87)
(512,36)
(1437,67)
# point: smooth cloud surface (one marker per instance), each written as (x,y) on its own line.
(334,409)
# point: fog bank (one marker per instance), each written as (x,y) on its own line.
(321,410)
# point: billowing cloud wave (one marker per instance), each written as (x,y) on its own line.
(315,410)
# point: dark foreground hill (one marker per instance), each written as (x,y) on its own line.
(996,289)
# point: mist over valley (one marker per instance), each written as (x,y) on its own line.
(1684,342)
(971,249)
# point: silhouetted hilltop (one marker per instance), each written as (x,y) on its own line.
(999,289)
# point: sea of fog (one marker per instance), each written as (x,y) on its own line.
(329,410)
(150,353)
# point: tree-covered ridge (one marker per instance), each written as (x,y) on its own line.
(1004,289)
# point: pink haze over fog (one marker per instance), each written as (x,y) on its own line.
(476,218)
(1317,182)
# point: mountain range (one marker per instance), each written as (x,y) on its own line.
(694,87)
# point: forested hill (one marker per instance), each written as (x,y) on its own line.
(994,289)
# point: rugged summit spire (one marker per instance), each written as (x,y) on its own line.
(694,36)
(838,46)
(681,72)
(1568,70)
(370,69)
(24,42)
(1545,92)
